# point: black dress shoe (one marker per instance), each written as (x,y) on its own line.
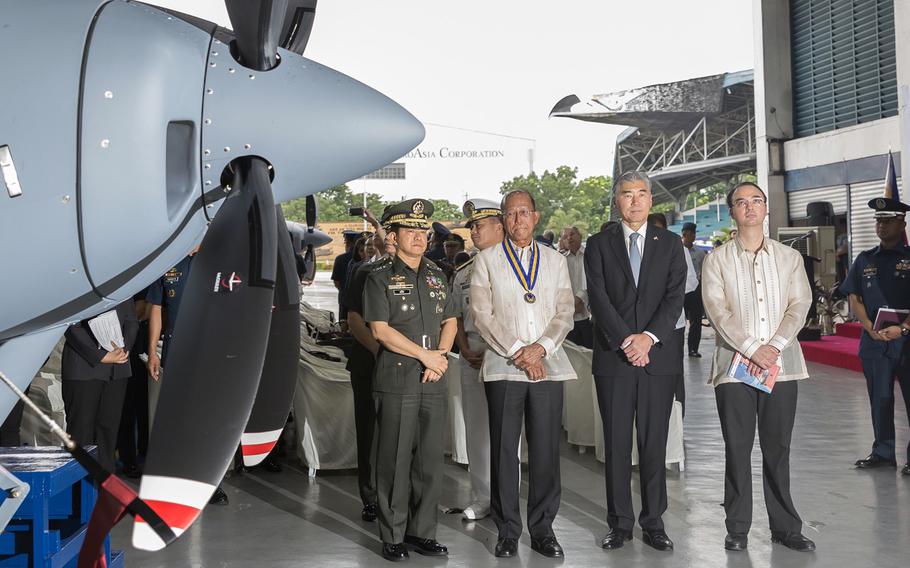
(736,542)
(506,548)
(793,541)
(219,497)
(548,546)
(269,464)
(906,469)
(370,512)
(657,540)
(394,552)
(694,354)
(874,460)
(426,546)
(615,539)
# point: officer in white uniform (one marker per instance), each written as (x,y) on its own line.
(484,219)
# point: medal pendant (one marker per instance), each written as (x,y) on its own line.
(530,298)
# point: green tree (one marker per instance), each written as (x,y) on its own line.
(563,200)
(334,205)
(445,210)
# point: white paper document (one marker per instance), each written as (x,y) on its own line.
(106,329)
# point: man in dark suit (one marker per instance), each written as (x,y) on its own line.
(94,383)
(636,276)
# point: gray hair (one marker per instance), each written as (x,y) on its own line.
(630,176)
(505,198)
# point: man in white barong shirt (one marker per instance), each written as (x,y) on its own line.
(756,295)
(523,324)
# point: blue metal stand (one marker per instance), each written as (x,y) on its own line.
(50,526)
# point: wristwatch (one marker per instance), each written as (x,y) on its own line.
(905,330)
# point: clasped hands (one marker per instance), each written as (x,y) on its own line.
(530,360)
(435,362)
(764,358)
(636,348)
(473,358)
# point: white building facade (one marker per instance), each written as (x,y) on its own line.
(832,83)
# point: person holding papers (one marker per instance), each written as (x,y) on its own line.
(879,289)
(756,296)
(94,372)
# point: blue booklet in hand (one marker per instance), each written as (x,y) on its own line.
(739,370)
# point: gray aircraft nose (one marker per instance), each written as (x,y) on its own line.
(316,126)
(317,238)
(301,236)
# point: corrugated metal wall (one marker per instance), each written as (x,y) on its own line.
(798,200)
(843,61)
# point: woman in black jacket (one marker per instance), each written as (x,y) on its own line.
(94,383)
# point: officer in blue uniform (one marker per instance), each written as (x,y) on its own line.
(164,296)
(880,278)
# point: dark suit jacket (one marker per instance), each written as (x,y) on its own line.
(619,308)
(82,355)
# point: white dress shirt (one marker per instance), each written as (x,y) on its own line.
(576,264)
(691,286)
(461,286)
(507,322)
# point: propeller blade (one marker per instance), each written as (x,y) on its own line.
(312,211)
(257,27)
(298,23)
(309,260)
(215,356)
(279,372)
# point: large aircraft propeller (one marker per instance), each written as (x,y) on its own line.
(236,340)
(279,372)
(215,357)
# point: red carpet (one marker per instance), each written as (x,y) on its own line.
(836,350)
(852,329)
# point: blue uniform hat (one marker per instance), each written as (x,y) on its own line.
(886,207)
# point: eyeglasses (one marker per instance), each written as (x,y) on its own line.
(754,202)
(521,213)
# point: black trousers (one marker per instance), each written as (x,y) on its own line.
(880,373)
(133,438)
(365,424)
(695,311)
(739,406)
(647,400)
(539,405)
(582,334)
(93,414)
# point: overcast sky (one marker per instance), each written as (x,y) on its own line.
(501,65)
